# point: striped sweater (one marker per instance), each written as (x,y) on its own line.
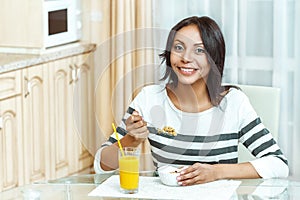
(211,136)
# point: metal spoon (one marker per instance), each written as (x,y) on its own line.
(158,131)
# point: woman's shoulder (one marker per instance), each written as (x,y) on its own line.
(236,92)
(234,96)
(150,95)
(154,89)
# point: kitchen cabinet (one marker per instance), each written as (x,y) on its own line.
(83,110)
(71,114)
(21,23)
(46,121)
(36,124)
(11,133)
(60,105)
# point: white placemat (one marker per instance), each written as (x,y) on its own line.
(152,188)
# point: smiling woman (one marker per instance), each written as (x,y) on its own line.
(210,120)
(261,50)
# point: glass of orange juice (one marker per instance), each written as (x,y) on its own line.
(129,170)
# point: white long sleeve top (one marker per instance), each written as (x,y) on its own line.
(211,136)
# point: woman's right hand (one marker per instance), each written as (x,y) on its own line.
(137,127)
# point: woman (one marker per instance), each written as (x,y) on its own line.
(210,120)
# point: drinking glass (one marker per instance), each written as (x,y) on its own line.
(129,170)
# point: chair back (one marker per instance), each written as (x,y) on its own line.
(266,103)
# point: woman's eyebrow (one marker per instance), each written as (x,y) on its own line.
(196,44)
(177,40)
(199,44)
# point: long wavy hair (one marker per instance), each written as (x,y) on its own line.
(214,44)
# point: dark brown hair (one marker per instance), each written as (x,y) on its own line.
(214,44)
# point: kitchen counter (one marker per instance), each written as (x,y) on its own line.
(11,61)
(40,96)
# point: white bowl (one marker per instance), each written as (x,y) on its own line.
(168,174)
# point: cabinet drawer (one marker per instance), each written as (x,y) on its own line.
(10,84)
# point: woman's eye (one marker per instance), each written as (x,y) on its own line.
(178,48)
(199,50)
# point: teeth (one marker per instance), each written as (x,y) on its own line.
(186,69)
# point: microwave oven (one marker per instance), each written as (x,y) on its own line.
(61,22)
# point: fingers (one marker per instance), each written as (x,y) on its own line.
(135,117)
(188,176)
(139,133)
(195,174)
(135,121)
(136,126)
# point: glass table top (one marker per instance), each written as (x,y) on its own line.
(78,187)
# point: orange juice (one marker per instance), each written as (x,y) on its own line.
(129,172)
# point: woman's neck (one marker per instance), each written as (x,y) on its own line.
(190,98)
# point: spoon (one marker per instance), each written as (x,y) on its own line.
(158,131)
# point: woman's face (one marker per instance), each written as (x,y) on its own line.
(188,59)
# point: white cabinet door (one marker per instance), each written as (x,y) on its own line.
(11,152)
(35,120)
(11,137)
(60,105)
(84,112)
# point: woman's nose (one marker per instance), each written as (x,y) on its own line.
(186,57)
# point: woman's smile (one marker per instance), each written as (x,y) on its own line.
(187,71)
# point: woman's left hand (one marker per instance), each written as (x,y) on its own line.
(196,174)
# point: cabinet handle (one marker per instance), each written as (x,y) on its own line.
(75,73)
(1,123)
(78,71)
(72,74)
(27,87)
